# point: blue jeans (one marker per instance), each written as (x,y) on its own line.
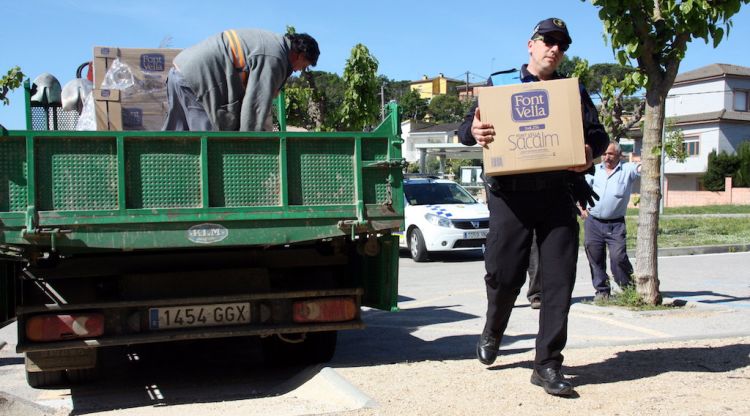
(600,236)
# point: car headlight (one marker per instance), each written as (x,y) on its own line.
(439,221)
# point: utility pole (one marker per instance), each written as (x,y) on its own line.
(469,95)
(382,101)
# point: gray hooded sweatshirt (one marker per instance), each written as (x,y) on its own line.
(209,70)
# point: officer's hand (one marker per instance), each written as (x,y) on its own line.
(589,161)
(483,133)
(582,192)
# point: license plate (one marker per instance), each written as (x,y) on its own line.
(199,315)
(475,234)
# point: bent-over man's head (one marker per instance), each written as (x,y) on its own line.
(305,51)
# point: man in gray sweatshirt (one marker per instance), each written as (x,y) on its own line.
(228,81)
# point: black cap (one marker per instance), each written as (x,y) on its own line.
(551,25)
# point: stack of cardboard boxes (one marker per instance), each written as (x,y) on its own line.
(142,106)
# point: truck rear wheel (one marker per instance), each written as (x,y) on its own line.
(300,349)
(83,375)
(41,379)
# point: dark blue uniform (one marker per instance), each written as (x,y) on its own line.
(520,205)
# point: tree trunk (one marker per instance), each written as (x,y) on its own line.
(316,106)
(646,267)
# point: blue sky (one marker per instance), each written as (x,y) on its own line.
(409,39)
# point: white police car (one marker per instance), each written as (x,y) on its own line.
(440,215)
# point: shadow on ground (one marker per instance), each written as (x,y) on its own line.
(649,363)
(186,372)
(640,364)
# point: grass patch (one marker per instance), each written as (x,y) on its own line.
(688,232)
(630,299)
(709,209)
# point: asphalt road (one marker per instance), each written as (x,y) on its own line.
(442,306)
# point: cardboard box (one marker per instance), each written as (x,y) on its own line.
(538,127)
(116,116)
(108,115)
(150,67)
(142,106)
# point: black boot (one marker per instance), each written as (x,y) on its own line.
(552,381)
(487,348)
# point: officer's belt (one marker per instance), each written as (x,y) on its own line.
(530,184)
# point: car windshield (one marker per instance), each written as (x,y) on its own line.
(433,193)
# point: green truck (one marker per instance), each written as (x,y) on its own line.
(113,238)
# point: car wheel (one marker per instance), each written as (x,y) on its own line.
(417,247)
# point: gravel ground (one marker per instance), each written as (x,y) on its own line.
(705,377)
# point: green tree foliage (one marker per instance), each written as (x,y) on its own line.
(446,108)
(719,167)
(612,71)
(361,106)
(615,85)
(299,96)
(10,82)
(742,178)
(413,106)
(656,34)
(393,90)
(674,142)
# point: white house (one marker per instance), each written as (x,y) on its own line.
(710,106)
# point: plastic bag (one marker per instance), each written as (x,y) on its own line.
(87,119)
(118,77)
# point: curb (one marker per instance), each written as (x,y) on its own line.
(694,250)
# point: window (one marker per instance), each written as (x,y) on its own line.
(740,100)
(691,145)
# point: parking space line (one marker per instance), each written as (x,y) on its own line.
(620,324)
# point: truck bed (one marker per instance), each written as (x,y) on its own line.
(74,192)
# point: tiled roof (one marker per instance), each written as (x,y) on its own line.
(713,116)
(712,71)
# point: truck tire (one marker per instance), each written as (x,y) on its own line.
(305,349)
(417,247)
(41,379)
(83,375)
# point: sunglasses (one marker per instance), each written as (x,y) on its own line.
(551,41)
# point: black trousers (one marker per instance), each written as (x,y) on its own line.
(514,216)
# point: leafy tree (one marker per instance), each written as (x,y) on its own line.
(674,142)
(742,178)
(360,107)
(10,82)
(445,108)
(299,95)
(612,71)
(615,86)
(614,92)
(568,68)
(413,106)
(656,34)
(719,167)
(315,107)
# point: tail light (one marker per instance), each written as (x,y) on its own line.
(62,327)
(325,310)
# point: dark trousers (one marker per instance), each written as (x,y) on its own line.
(598,237)
(535,287)
(185,112)
(514,217)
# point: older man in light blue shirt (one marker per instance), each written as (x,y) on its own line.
(604,227)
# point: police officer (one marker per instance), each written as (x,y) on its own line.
(541,203)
